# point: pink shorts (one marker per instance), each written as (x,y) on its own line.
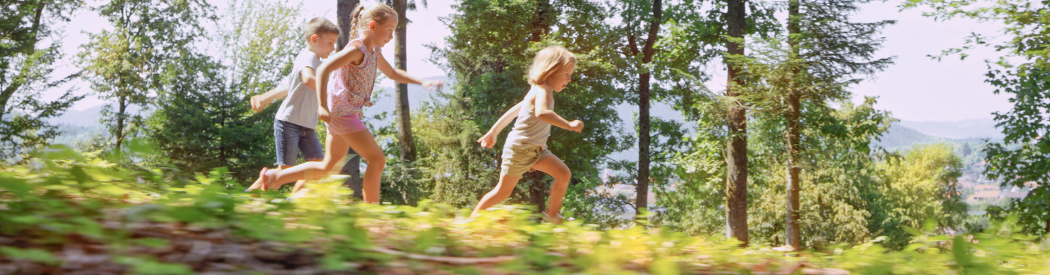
(342,125)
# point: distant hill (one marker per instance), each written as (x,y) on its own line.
(961,129)
(87,117)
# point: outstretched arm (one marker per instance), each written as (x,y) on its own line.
(259,102)
(489,139)
(403,77)
(350,55)
(547,115)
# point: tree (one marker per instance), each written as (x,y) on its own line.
(650,13)
(736,148)
(352,167)
(832,49)
(125,63)
(401,108)
(489,53)
(26,68)
(202,119)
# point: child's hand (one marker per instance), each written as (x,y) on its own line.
(323,114)
(433,86)
(257,104)
(576,126)
(488,140)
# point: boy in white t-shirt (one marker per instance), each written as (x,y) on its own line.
(296,120)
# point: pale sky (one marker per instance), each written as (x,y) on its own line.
(915,88)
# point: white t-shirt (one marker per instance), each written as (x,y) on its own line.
(300,107)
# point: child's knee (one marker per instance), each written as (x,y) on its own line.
(562,174)
(376,159)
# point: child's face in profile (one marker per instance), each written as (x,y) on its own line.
(383,33)
(326,44)
(559,80)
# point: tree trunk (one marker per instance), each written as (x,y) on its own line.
(401,109)
(736,150)
(641,200)
(120,121)
(541,24)
(794,112)
(1047,229)
(538,190)
(344,8)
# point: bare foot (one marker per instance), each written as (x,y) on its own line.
(556,219)
(255,185)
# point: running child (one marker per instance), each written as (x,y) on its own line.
(344,88)
(526,146)
(294,124)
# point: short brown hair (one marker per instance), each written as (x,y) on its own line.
(320,26)
(549,61)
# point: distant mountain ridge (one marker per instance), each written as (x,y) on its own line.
(960,129)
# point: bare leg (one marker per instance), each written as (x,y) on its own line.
(503,188)
(365,145)
(299,184)
(553,166)
(258,184)
(336,148)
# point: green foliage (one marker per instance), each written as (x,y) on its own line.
(26,72)
(127,63)
(74,197)
(489,52)
(917,187)
(202,118)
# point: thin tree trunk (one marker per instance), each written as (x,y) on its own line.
(538,190)
(641,200)
(120,121)
(642,188)
(344,8)
(794,112)
(736,150)
(402,111)
(540,24)
(1047,229)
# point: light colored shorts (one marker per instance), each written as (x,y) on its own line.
(342,125)
(519,159)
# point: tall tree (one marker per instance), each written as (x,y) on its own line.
(794,131)
(401,108)
(344,8)
(125,63)
(26,68)
(826,52)
(736,148)
(649,13)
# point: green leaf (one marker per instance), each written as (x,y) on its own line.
(32,254)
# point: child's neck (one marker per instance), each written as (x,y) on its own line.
(367,41)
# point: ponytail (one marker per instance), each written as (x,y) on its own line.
(354,20)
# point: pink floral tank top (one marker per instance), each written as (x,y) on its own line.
(350,87)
